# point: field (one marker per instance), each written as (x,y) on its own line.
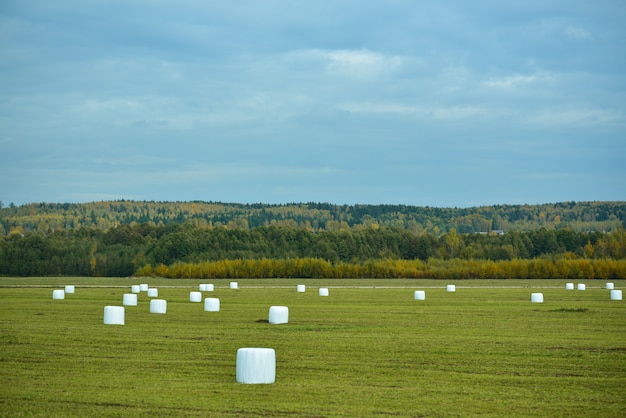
(368,349)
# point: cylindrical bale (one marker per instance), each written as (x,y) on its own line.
(202,288)
(114,315)
(419,295)
(569,286)
(279,315)
(451,288)
(158,306)
(210,287)
(616,294)
(301,288)
(212,304)
(536,297)
(234,285)
(143,287)
(58,294)
(135,288)
(130,299)
(610,286)
(581,286)
(323,291)
(153,292)
(256,365)
(69,289)
(195,297)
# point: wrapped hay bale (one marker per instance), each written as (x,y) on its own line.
(256,365)
(279,315)
(114,315)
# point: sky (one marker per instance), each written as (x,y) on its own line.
(431,103)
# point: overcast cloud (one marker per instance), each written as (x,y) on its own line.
(437,103)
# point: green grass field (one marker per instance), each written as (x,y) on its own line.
(368,349)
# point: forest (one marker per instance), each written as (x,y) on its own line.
(205,240)
(49,217)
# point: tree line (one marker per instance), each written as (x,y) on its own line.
(47,218)
(148,249)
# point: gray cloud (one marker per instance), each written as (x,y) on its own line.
(430,103)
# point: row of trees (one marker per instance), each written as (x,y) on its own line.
(127,249)
(570,269)
(51,217)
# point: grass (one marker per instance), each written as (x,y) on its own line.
(366,350)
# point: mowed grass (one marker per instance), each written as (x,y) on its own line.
(368,349)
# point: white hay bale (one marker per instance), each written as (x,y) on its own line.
(212,305)
(234,285)
(536,297)
(610,286)
(581,286)
(143,287)
(616,294)
(569,286)
(135,288)
(209,287)
(256,365)
(301,288)
(195,297)
(130,299)
(58,294)
(69,289)
(158,306)
(419,295)
(323,291)
(279,315)
(153,292)
(202,288)
(114,315)
(450,288)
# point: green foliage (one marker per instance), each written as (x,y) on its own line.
(200,239)
(366,252)
(577,216)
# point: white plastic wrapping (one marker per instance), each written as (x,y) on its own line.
(69,289)
(58,294)
(114,315)
(581,286)
(279,315)
(212,304)
(195,297)
(451,288)
(301,288)
(323,291)
(616,294)
(158,306)
(130,299)
(234,285)
(610,286)
(143,287)
(419,295)
(135,288)
(569,286)
(153,292)
(536,297)
(256,365)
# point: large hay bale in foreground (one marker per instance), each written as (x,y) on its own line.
(256,365)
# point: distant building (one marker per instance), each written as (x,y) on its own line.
(494,232)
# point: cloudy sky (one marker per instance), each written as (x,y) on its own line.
(435,103)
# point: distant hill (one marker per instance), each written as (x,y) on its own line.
(577,216)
